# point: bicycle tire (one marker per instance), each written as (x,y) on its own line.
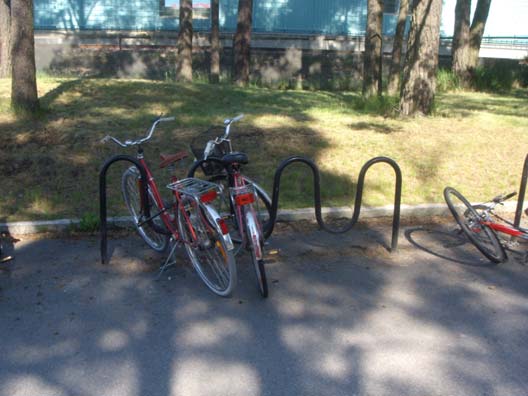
(211,259)
(131,195)
(481,235)
(255,245)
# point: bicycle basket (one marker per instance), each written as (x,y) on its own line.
(198,144)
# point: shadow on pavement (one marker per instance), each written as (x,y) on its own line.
(344,317)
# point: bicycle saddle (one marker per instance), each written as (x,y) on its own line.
(235,158)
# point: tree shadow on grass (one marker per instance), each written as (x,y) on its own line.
(508,105)
(63,151)
(377,127)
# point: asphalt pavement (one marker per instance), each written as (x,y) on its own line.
(344,317)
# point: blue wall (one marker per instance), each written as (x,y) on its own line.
(348,17)
(292,16)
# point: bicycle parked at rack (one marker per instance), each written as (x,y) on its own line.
(483,227)
(190,219)
(247,206)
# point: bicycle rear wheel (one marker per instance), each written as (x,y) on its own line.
(130,187)
(255,245)
(469,220)
(206,246)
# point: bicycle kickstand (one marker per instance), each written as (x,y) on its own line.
(170,260)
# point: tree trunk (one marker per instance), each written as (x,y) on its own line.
(478,25)
(460,50)
(395,67)
(372,55)
(184,63)
(5,38)
(241,43)
(23,78)
(419,75)
(215,42)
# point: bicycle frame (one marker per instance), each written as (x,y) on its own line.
(508,228)
(164,215)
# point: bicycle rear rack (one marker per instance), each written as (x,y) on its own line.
(194,187)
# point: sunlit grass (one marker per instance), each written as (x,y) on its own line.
(475,142)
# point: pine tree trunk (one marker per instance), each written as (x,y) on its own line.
(478,25)
(184,63)
(419,75)
(372,55)
(215,42)
(460,50)
(5,38)
(241,43)
(23,76)
(393,87)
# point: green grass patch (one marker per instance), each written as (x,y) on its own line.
(475,142)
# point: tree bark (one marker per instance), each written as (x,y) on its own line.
(5,38)
(215,42)
(373,43)
(419,75)
(241,43)
(395,67)
(460,50)
(23,74)
(478,25)
(185,36)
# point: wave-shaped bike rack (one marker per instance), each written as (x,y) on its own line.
(102,197)
(358,200)
(317,193)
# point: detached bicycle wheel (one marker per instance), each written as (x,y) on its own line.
(255,245)
(130,187)
(206,247)
(469,220)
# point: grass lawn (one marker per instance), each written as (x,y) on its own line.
(475,142)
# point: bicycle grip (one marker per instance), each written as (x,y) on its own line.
(237,118)
(508,196)
(167,119)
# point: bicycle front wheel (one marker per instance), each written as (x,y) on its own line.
(469,220)
(255,245)
(206,246)
(131,189)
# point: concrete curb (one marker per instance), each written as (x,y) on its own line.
(424,210)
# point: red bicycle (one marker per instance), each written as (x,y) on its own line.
(246,208)
(483,227)
(189,219)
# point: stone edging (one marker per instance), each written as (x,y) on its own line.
(423,210)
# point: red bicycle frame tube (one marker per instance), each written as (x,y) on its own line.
(505,229)
(157,197)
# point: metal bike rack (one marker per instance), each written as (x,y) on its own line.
(317,193)
(102,196)
(358,200)
(522,193)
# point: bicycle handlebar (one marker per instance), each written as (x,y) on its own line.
(228,123)
(503,197)
(211,143)
(139,141)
